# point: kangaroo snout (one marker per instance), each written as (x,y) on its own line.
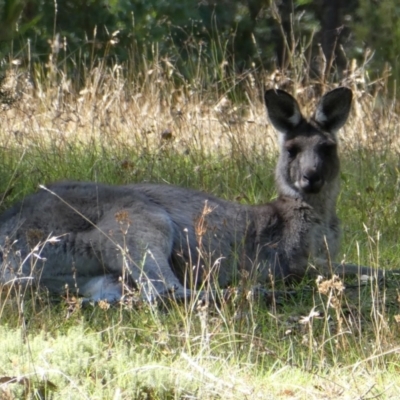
(311,181)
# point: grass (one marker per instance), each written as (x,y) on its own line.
(322,342)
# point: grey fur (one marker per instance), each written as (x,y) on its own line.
(165,238)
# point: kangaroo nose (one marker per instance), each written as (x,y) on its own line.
(312,181)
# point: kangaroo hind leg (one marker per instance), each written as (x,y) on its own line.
(140,250)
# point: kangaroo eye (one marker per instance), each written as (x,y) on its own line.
(327,148)
(292,151)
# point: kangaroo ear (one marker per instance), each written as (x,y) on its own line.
(283,110)
(333,109)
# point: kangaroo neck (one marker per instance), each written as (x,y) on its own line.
(323,202)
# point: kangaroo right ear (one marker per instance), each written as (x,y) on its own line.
(333,109)
(283,110)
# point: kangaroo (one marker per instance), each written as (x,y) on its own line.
(166,239)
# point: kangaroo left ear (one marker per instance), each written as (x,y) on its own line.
(333,109)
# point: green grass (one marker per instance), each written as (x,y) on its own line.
(148,353)
(314,344)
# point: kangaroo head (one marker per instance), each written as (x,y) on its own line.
(308,159)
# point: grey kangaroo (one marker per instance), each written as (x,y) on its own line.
(165,240)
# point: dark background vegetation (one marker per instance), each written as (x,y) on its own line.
(264,34)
